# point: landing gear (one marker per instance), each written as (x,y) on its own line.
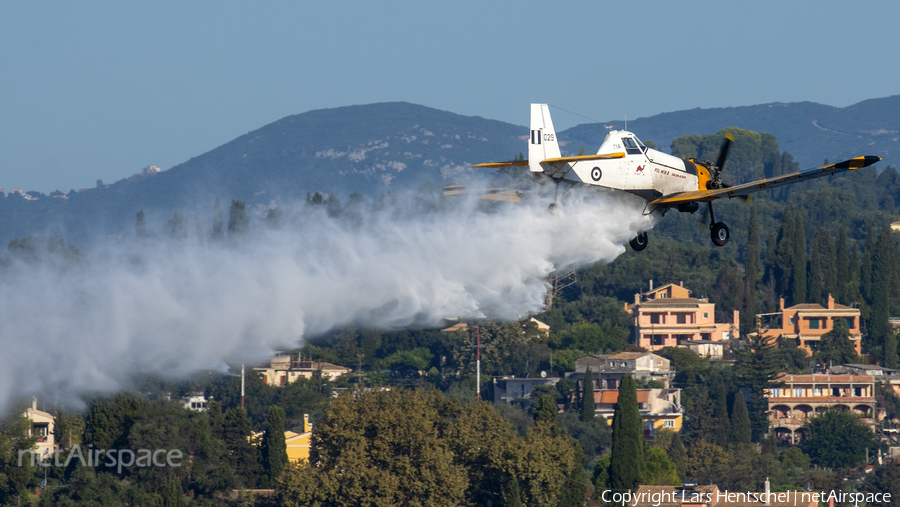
(719,233)
(639,242)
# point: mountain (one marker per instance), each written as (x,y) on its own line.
(810,132)
(368,149)
(376,148)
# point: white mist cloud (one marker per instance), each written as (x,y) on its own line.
(174,307)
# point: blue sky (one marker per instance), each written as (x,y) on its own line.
(98,90)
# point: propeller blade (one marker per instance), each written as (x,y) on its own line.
(723,153)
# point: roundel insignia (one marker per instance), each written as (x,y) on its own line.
(596,174)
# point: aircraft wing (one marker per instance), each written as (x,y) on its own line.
(556,160)
(763,184)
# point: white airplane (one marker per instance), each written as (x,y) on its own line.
(664,181)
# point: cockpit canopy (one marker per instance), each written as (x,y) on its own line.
(618,140)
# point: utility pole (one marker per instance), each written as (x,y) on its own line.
(478,364)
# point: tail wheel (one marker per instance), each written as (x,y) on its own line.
(720,234)
(639,242)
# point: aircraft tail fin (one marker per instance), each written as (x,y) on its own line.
(542,143)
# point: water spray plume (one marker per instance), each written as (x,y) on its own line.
(172,307)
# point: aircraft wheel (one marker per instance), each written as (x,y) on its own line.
(639,242)
(720,234)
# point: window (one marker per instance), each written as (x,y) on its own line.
(655,318)
(791,320)
(668,424)
(776,393)
(705,315)
(655,339)
(681,318)
(659,362)
(631,147)
(798,392)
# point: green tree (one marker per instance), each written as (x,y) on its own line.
(798,271)
(740,420)
(752,269)
(706,462)
(842,267)
(720,415)
(757,368)
(243,456)
(835,346)
(544,410)
(218,228)
(881,334)
(588,403)
(659,469)
(274,448)
(140,227)
(238,221)
(626,470)
(837,438)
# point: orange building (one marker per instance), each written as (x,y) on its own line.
(297,444)
(804,396)
(806,323)
(669,317)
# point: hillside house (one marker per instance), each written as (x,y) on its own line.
(298,444)
(41,425)
(804,396)
(281,370)
(607,370)
(669,317)
(509,389)
(660,408)
(806,323)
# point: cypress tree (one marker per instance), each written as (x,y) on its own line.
(587,396)
(626,468)
(815,277)
(721,416)
(676,453)
(842,268)
(853,286)
(882,274)
(740,420)
(140,227)
(218,228)
(784,256)
(274,448)
(799,268)
(238,221)
(751,275)
(865,275)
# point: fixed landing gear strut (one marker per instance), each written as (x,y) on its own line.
(718,231)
